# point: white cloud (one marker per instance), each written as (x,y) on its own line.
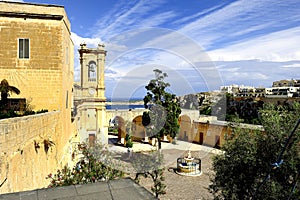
(296,65)
(129,15)
(198,15)
(91,42)
(278,46)
(229,69)
(246,75)
(243,20)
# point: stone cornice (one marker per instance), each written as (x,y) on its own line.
(101,100)
(31,15)
(94,51)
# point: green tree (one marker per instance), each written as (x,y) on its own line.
(260,164)
(5,88)
(164,109)
(96,164)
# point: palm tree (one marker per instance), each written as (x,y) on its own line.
(5,88)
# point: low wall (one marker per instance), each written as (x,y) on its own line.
(31,147)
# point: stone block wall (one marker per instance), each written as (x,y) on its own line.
(24,161)
(45,79)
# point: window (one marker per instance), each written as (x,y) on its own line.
(23,48)
(92,71)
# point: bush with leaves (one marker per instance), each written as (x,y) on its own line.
(251,167)
(150,165)
(96,164)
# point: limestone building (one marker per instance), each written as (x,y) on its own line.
(89,96)
(37,54)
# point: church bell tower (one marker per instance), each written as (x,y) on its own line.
(92,63)
(89,97)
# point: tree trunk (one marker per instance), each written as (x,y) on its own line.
(159,143)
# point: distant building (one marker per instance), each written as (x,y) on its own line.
(243,91)
(282,92)
(280,89)
(287,83)
(231,89)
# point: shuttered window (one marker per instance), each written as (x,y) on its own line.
(23,48)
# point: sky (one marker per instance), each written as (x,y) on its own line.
(200,44)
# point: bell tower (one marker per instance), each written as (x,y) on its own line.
(92,70)
(89,96)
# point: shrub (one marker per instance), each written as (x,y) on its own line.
(95,165)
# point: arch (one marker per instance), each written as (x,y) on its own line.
(137,128)
(185,130)
(119,122)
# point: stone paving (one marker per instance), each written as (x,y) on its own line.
(181,187)
(184,187)
(178,187)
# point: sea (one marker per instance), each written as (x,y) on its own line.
(124,107)
(124,104)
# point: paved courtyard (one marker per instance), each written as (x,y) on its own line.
(181,187)
(184,187)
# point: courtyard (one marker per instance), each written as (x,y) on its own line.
(178,186)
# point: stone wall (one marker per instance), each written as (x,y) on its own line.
(24,158)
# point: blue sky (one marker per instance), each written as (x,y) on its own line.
(201,44)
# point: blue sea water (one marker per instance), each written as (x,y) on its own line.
(123,107)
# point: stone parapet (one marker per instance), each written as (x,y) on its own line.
(16,132)
(31,147)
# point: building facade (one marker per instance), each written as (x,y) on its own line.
(36,56)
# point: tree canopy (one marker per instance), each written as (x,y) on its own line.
(5,88)
(164,108)
(261,164)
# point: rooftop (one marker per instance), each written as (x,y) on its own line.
(37,4)
(33,10)
(115,189)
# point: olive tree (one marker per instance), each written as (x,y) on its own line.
(261,164)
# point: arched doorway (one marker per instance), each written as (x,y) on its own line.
(118,123)
(137,129)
